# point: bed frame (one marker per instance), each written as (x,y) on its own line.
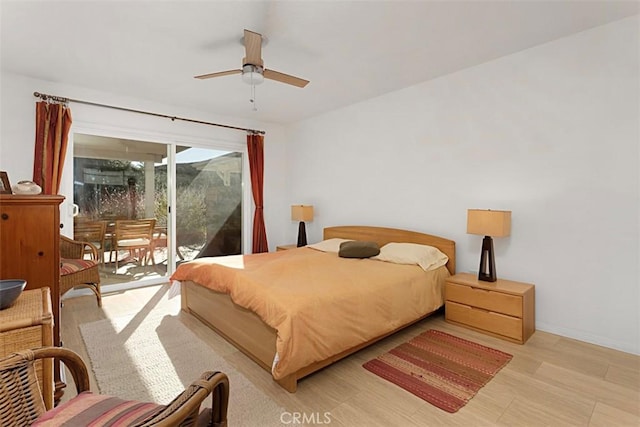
(246,331)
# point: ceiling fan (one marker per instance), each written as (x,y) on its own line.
(253,71)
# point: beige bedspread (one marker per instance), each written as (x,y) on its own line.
(320,304)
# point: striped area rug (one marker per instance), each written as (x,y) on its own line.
(440,368)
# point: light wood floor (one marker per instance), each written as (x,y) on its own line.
(551,381)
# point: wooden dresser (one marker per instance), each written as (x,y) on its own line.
(30,250)
(28,323)
(30,245)
(504,308)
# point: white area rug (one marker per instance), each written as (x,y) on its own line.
(154,358)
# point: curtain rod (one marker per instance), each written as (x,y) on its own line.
(45,97)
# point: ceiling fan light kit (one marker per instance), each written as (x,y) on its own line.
(252,74)
(253,71)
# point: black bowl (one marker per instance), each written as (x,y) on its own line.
(10,290)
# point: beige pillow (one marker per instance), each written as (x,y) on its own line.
(358,249)
(427,257)
(329,245)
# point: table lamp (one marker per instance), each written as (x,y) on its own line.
(489,224)
(302,213)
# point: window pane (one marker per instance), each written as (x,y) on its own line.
(209,203)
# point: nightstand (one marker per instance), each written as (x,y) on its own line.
(504,308)
(285,247)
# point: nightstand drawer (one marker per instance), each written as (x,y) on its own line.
(489,321)
(489,300)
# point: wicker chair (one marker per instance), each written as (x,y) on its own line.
(75,271)
(22,404)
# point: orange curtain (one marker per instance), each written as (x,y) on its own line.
(53,122)
(255,149)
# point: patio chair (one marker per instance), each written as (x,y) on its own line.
(77,272)
(135,236)
(159,240)
(22,404)
(92,232)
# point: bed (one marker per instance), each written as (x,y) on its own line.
(267,341)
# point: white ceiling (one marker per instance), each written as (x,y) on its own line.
(349,50)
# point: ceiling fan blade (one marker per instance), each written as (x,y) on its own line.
(218,74)
(253,48)
(285,78)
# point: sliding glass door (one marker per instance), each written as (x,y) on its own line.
(208,210)
(118,180)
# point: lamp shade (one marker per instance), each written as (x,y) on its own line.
(488,222)
(301,212)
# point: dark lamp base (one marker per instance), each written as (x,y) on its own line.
(487,270)
(302,235)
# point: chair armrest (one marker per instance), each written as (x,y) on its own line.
(184,409)
(71,360)
(75,249)
(92,248)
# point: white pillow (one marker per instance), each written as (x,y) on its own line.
(427,257)
(329,245)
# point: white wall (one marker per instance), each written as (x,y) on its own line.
(551,133)
(17,118)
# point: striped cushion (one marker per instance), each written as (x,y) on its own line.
(68,266)
(97,410)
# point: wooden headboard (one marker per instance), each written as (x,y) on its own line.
(383,235)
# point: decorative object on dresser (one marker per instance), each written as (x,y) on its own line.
(489,224)
(25,325)
(26,187)
(17,392)
(302,213)
(5,186)
(10,290)
(30,248)
(504,308)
